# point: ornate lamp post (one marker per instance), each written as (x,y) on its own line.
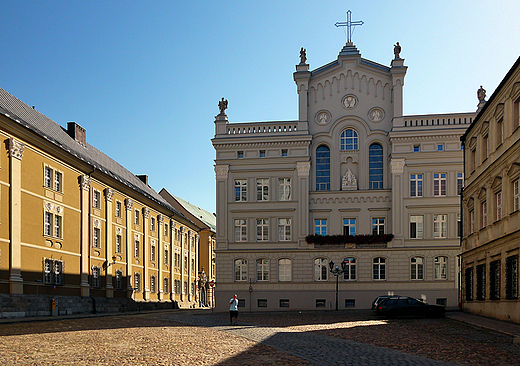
(336,272)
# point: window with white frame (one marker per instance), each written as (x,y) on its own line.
(439,184)
(440,147)
(240,270)
(119,207)
(136,248)
(153,284)
(136,217)
(459,225)
(483,210)
(96,199)
(500,131)
(262,229)
(152,252)
(460,183)
(262,269)
(349,227)
(47,225)
(417,268)
(166,255)
(441,268)
(498,201)
(516,195)
(166,285)
(379,268)
(284,270)
(53,271)
(119,243)
(240,230)
(185,287)
(57,226)
(152,223)
(321,269)
(416,185)
(350,269)
(320,227)
(378,225)
(262,189)
(284,229)
(52,225)
(47,177)
(284,189)
(240,154)
(119,280)
(440,226)
(349,140)
(96,238)
(52,179)
(137,282)
(58,178)
(166,230)
(96,277)
(416,148)
(416,226)
(240,190)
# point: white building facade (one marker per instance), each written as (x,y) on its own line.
(351,164)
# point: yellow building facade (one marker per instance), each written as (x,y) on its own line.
(73,222)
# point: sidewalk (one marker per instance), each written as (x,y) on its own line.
(501,326)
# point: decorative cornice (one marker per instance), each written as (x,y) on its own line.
(222,171)
(85,182)
(235,145)
(16,148)
(424,138)
(109,194)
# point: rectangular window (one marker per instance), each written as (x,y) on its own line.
(240,154)
(58,177)
(494,280)
(119,280)
(378,226)
(350,269)
(240,230)
(47,229)
(417,268)
(57,226)
(441,268)
(96,238)
(484,214)
(166,285)
(153,284)
(471,222)
(262,303)
(481,282)
(460,183)
(284,229)
(416,185)
(416,148)
(136,217)
(440,226)
(152,223)
(136,248)
(240,190)
(379,269)
(440,147)
(152,253)
(96,199)
(284,152)
(284,270)
(498,200)
(439,184)
(459,225)
(166,256)
(512,277)
(468,283)
(96,274)
(262,230)
(166,230)
(321,303)
(349,227)
(262,270)
(350,303)
(284,189)
(500,131)
(320,227)
(262,153)
(53,272)
(118,243)
(416,227)
(47,179)
(118,208)
(516,193)
(137,282)
(262,189)
(284,303)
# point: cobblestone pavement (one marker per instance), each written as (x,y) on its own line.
(202,338)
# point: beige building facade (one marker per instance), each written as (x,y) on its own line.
(351,164)
(491,242)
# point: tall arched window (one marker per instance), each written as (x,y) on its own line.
(323,168)
(349,140)
(240,270)
(375,167)
(262,269)
(284,270)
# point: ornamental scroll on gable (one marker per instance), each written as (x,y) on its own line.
(349,181)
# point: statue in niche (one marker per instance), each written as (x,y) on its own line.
(349,181)
(481,94)
(303,55)
(222,105)
(397,50)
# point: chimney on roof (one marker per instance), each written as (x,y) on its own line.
(143,178)
(77,132)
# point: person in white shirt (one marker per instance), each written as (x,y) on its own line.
(233,309)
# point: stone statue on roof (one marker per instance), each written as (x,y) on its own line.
(222,105)
(397,50)
(303,55)
(481,94)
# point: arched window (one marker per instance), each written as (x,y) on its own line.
(349,140)
(375,167)
(262,269)
(321,269)
(323,168)
(441,268)
(284,270)
(350,269)
(417,268)
(379,268)
(240,270)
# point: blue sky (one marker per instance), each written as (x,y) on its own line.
(145,78)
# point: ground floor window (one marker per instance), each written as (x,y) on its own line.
(494,280)
(481,282)
(350,303)
(53,272)
(96,277)
(468,282)
(512,277)
(321,303)
(119,280)
(284,303)
(262,303)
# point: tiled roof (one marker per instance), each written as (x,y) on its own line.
(24,115)
(206,217)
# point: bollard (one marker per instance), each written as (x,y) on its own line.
(54,308)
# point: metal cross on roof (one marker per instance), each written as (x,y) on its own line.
(350,26)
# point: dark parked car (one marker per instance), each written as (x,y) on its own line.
(378,300)
(393,306)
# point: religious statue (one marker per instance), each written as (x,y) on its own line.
(222,105)
(303,55)
(349,181)
(481,94)
(397,50)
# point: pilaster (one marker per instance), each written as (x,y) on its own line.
(85,234)
(16,149)
(109,195)
(129,246)
(221,175)
(302,189)
(146,254)
(301,78)
(398,184)
(398,72)
(160,257)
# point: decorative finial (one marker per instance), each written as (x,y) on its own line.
(222,105)
(481,94)
(397,51)
(303,56)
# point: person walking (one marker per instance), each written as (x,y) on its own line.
(233,309)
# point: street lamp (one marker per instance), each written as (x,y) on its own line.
(336,272)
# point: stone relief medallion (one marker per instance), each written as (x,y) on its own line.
(376,114)
(323,117)
(349,101)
